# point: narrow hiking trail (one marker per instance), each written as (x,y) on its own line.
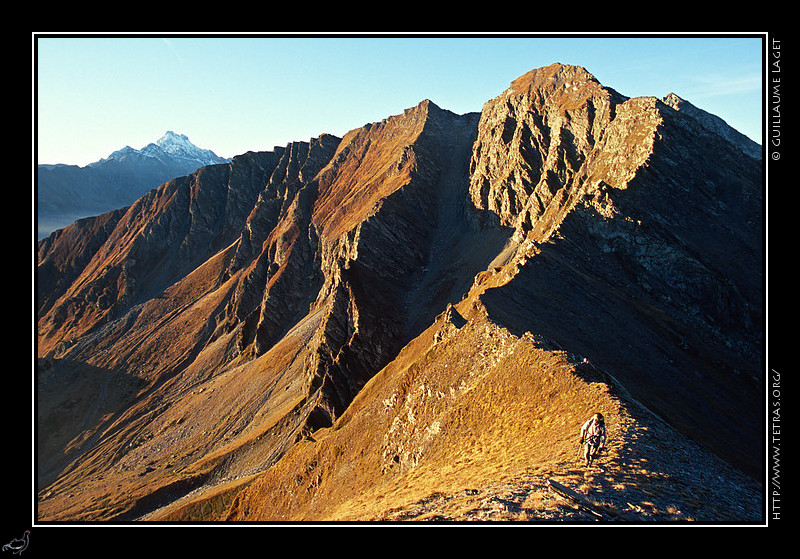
(647,474)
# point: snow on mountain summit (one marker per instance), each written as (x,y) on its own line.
(178,145)
(172,142)
(170,146)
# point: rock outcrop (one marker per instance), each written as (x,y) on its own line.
(638,243)
(303,330)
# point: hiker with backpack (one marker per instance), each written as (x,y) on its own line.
(593,437)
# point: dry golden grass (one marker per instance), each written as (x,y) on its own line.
(351,186)
(480,407)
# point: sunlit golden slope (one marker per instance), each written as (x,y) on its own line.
(415,318)
(467,414)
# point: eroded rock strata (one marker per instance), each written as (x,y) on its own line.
(343,301)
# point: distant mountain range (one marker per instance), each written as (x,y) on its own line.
(66,193)
(414,320)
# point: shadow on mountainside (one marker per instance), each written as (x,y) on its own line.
(74,401)
(692,381)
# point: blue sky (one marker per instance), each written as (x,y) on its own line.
(96,94)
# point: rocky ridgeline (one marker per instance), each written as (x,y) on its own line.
(634,227)
(232,313)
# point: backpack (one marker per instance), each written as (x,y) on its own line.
(594,433)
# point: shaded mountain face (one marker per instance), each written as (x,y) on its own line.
(227,318)
(646,251)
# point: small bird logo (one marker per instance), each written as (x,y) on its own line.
(18,545)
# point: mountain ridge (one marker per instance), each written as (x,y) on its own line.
(65,193)
(325,315)
(177,145)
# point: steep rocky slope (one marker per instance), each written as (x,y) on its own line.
(648,252)
(470,423)
(415,314)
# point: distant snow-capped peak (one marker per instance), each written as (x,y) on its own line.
(171,146)
(178,145)
(172,142)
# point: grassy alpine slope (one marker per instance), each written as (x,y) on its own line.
(475,421)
